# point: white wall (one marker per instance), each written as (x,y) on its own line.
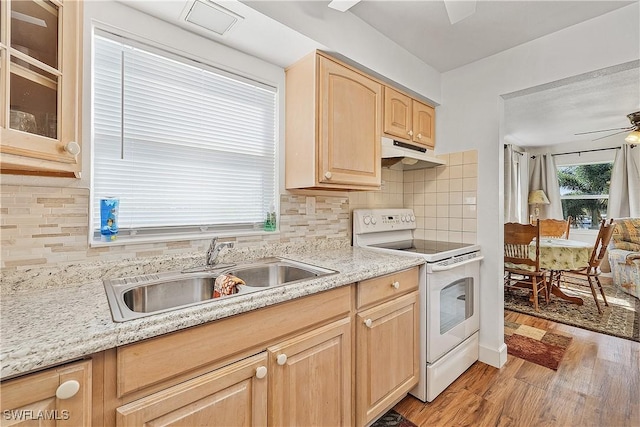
(471,115)
(350,36)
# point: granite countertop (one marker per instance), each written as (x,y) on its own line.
(47,326)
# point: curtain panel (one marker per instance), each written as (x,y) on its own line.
(544,176)
(624,190)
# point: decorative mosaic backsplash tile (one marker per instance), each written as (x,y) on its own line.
(48,226)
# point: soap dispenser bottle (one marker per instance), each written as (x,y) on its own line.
(270,221)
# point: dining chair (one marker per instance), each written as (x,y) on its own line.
(521,268)
(555,228)
(591,272)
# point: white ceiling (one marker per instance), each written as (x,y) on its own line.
(281,32)
(423,28)
(541,116)
(553,113)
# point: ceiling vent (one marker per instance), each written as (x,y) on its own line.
(212,17)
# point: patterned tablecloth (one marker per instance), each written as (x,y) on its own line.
(557,254)
(562,254)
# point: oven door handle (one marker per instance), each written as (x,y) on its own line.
(437,267)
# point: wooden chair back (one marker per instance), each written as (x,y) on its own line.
(517,238)
(602,241)
(555,228)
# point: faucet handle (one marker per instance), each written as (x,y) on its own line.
(212,247)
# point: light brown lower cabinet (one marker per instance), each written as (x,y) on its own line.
(310,378)
(55,397)
(387,358)
(304,381)
(235,395)
(290,364)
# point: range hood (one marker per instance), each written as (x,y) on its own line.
(403,156)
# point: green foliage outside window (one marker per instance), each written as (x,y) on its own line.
(592,182)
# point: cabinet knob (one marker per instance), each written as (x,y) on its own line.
(72,148)
(410,133)
(281,359)
(368,323)
(327,175)
(67,389)
(419,136)
(395,285)
(261,372)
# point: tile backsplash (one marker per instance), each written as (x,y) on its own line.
(47,227)
(443,198)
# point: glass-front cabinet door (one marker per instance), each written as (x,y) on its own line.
(40,82)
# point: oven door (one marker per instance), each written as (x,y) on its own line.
(452,305)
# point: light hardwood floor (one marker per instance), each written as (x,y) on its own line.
(596,384)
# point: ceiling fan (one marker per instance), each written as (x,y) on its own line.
(456,9)
(634,129)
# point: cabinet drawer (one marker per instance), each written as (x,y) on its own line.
(385,287)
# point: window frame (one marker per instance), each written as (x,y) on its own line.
(188,232)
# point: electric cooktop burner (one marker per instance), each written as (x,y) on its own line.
(428,247)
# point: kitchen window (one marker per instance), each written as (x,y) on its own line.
(584,192)
(185,147)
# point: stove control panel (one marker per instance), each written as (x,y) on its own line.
(377,220)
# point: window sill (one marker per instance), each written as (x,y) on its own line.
(138,240)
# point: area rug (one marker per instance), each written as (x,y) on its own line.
(392,418)
(620,319)
(535,345)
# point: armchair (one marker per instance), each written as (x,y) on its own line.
(624,255)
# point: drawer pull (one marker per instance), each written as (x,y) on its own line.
(67,389)
(328,175)
(395,285)
(368,323)
(261,372)
(281,359)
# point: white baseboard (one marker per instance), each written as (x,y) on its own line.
(491,356)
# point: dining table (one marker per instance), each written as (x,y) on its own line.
(558,255)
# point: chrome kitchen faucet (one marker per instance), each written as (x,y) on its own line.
(214,250)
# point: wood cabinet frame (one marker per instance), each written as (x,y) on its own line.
(31,154)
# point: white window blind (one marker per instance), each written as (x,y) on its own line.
(182,145)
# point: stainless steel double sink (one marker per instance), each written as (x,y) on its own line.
(138,296)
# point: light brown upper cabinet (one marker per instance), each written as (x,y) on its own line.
(333,126)
(39,83)
(408,119)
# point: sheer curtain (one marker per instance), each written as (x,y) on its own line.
(544,176)
(515,185)
(624,191)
